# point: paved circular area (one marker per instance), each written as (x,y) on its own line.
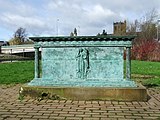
(29,109)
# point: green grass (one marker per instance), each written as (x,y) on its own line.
(146,72)
(16,72)
(22,72)
(145,68)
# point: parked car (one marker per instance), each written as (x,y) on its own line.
(4,43)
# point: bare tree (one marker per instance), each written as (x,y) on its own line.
(145,28)
(21,34)
(148,27)
(133,28)
(19,37)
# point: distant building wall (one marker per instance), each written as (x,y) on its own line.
(119,28)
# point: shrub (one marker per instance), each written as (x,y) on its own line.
(146,50)
(15,41)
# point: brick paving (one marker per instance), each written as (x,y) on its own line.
(29,109)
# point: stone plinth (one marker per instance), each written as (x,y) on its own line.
(86,93)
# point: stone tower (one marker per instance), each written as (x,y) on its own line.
(119,28)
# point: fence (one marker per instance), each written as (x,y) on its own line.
(17,53)
(0,49)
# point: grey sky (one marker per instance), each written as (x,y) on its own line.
(41,17)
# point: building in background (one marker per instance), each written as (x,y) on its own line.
(119,28)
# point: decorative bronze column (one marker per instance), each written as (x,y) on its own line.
(37,65)
(128,63)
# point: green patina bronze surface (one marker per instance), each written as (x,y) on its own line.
(84,61)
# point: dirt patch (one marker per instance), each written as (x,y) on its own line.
(138,76)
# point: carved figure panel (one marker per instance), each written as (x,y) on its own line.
(82,63)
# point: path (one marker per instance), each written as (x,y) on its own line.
(30,109)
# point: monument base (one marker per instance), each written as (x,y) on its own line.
(83,82)
(86,93)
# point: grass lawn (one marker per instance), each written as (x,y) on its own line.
(146,72)
(16,72)
(21,72)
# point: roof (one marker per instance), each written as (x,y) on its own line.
(83,38)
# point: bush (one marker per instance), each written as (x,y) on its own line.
(15,41)
(147,50)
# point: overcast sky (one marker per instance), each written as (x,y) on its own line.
(46,17)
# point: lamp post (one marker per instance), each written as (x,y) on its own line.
(158,29)
(78,30)
(57,25)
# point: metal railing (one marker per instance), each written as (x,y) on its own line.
(17,53)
